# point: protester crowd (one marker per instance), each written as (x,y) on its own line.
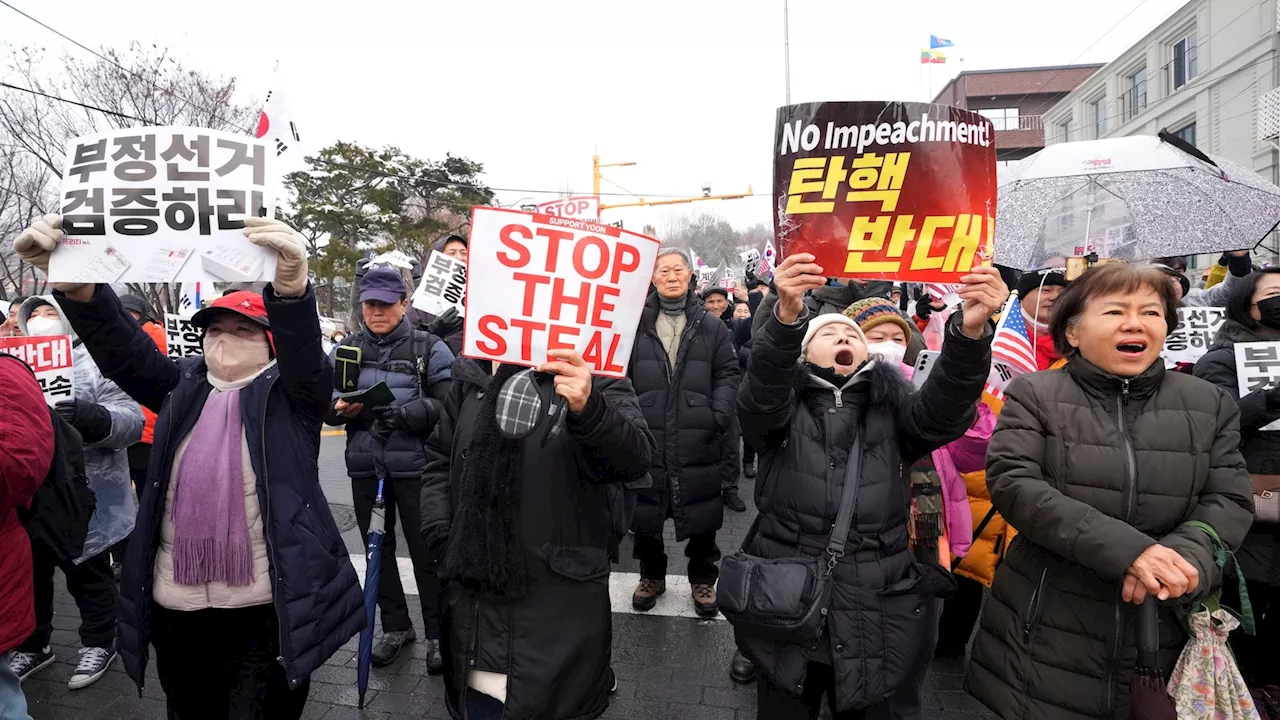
(906,507)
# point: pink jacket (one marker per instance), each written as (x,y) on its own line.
(963,455)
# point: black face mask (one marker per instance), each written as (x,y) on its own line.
(1269,309)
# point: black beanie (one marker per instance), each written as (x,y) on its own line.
(1034,279)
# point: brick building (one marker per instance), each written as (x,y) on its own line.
(1015,100)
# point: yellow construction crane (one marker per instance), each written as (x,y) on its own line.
(596,177)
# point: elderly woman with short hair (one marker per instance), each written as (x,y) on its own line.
(1101,465)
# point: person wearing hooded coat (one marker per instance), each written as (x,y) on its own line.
(812,394)
(236,573)
(1253,315)
(686,375)
(522,527)
(108,421)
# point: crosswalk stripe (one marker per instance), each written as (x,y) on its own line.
(676,602)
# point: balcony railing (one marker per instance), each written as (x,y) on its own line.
(1022,122)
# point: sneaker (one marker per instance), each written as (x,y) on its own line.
(388,648)
(748,470)
(646,594)
(704,600)
(435,661)
(26,664)
(94,662)
(734,503)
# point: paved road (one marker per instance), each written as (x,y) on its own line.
(670,666)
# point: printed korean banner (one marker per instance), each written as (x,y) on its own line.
(184,338)
(885,190)
(49,357)
(1197,327)
(162,205)
(1258,368)
(550,282)
(443,286)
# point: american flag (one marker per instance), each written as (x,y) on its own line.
(766,260)
(1011,351)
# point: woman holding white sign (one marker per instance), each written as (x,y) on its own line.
(236,573)
(1253,315)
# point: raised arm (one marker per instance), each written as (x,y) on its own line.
(124,352)
(305,369)
(766,399)
(944,407)
(611,433)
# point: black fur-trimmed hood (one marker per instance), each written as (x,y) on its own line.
(884,384)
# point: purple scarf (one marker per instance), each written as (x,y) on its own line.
(210,531)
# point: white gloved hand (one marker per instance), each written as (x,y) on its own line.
(291,268)
(37,242)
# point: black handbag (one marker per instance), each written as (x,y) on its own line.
(787,599)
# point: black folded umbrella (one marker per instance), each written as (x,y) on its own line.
(1148,697)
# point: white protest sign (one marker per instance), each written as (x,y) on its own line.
(394,258)
(586,207)
(49,357)
(162,205)
(443,286)
(183,337)
(1258,368)
(551,283)
(1197,327)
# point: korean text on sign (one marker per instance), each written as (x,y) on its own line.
(443,286)
(552,283)
(184,339)
(904,190)
(1258,368)
(163,205)
(49,357)
(1197,327)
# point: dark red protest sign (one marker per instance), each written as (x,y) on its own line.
(875,189)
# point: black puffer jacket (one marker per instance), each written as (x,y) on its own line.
(1260,554)
(553,645)
(1092,470)
(803,428)
(690,413)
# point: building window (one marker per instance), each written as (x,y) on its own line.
(1064,131)
(1002,118)
(1135,98)
(1098,109)
(1185,65)
(1187,133)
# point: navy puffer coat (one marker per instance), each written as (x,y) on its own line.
(314,587)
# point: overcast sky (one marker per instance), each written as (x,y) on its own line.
(685,88)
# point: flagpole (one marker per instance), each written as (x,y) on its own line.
(786,47)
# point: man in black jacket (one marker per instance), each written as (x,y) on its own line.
(686,376)
(415,366)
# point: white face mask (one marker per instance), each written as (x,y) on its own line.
(40,326)
(231,358)
(891,351)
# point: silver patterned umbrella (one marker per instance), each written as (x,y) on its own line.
(1134,198)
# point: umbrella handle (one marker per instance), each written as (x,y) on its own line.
(378,499)
(1187,148)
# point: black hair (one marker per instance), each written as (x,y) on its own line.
(1108,279)
(754,283)
(1241,298)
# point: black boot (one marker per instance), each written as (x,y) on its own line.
(748,469)
(435,662)
(742,670)
(733,502)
